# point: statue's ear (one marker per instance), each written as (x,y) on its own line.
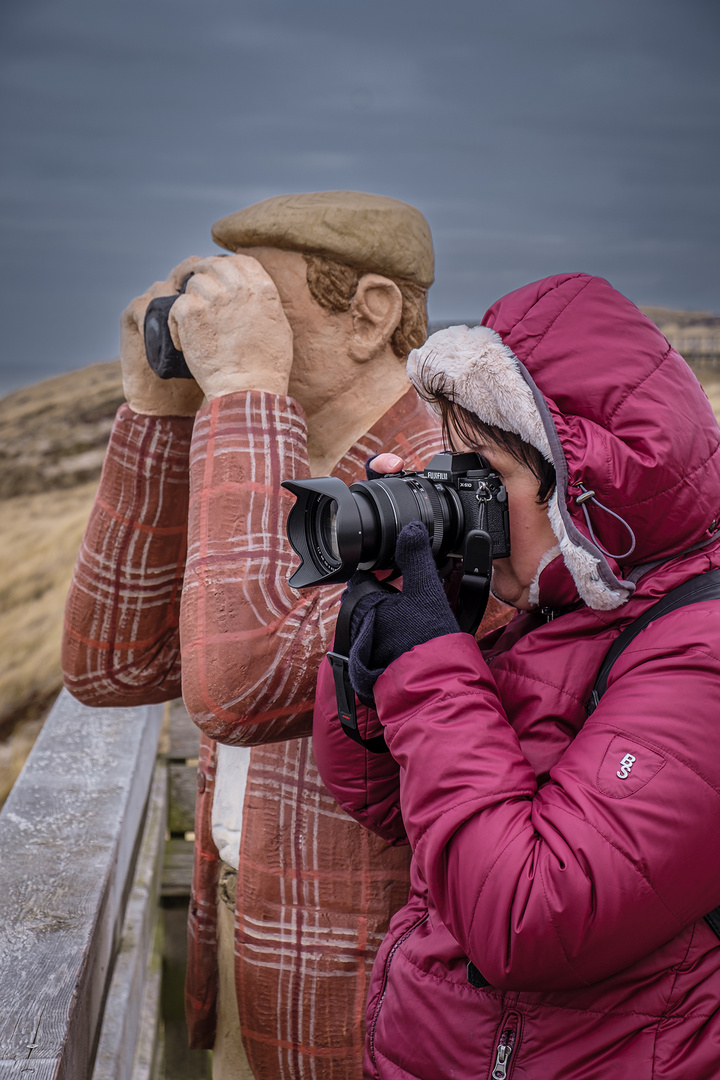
(376,310)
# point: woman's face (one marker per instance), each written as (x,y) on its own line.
(531,534)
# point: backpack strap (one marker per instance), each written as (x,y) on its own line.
(704,587)
(697,589)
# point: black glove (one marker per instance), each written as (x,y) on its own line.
(386,625)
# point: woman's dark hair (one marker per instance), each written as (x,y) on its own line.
(459,422)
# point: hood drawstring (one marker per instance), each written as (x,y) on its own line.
(586,496)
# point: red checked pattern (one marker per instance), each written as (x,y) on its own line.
(315,890)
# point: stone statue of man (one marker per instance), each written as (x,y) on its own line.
(297,344)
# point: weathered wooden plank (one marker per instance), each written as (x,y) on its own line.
(183,791)
(68,835)
(122,1015)
(148,1053)
(184,734)
(27,1070)
(177,870)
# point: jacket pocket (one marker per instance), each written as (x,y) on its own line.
(506,1046)
(385,977)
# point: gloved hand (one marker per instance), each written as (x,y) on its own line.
(384,626)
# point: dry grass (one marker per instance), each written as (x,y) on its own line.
(52,443)
(39,540)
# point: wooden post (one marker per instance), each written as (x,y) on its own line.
(69,835)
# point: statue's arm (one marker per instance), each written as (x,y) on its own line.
(251,645)
(121,641)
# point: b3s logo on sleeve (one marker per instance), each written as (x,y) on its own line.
(626,767)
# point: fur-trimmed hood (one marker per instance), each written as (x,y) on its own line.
(577,371)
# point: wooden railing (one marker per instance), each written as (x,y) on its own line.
(83,850)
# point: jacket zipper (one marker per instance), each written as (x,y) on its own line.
(506,1044)
(376,1016)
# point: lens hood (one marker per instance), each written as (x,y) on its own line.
(318,563)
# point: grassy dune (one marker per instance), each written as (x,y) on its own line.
(52,441)
(39,545)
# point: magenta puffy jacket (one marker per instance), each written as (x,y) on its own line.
(572,880)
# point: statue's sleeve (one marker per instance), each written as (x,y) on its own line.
(121,637)
(251,645)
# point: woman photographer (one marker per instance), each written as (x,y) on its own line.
(563,863)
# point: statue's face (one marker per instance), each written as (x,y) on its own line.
(320,338)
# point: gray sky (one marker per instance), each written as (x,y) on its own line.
(537,136)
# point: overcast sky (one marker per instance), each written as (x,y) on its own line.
(537,136)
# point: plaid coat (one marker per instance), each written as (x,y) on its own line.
(315,890)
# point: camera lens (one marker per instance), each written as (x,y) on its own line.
(327,527)
(391,503)
(336,530)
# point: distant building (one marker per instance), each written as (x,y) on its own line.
(695,335)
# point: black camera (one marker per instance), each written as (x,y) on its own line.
(165,360)
(335,529)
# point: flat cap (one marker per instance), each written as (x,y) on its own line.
(373,233)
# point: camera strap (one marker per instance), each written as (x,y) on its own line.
(475,582)
(340,664)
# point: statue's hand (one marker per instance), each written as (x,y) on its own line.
(232,329)
(144,391)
